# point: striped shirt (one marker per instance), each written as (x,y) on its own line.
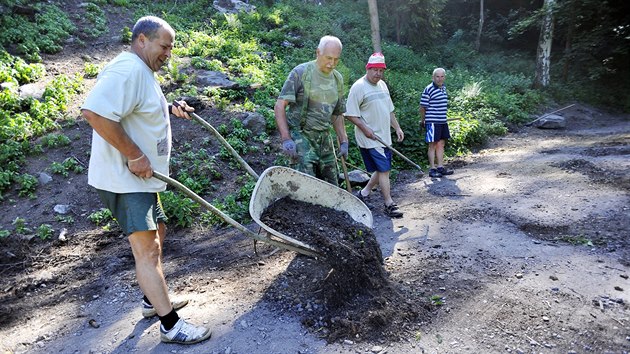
(435,100)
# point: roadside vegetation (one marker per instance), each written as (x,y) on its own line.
(490,91)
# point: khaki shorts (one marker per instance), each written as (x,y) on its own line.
(134,211)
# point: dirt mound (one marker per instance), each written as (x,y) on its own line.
(347,292)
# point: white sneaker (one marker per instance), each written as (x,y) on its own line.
(185,333)
(149,311)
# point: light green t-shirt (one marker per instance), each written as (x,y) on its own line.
(127,92)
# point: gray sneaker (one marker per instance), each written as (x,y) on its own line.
(148,311)
(184,333)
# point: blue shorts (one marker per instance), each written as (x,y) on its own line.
(377,159)
(134,211)
(437,132)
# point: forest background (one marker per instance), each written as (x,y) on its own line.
(490,64)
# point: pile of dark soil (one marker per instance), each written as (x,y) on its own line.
(345,294)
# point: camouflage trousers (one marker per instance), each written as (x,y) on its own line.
(316,155)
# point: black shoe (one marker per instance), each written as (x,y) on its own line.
(434,173)
(444,172)
(392,211)
(363,199)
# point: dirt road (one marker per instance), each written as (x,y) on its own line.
(525,249)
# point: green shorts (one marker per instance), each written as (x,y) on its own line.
(134,211)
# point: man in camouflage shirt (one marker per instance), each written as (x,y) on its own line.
(313,92)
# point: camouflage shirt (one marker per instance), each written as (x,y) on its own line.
(324,100)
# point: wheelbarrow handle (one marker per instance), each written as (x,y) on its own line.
(294,245)
(222,140)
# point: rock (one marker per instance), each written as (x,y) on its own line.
(376,349)
(44,178)
(62,234)
(8,86)
(552,121)
(232,6)
(210,78)
(519,275)
(255,122)
(35,90)
(357,177)
(62,209)
(553,277)
(545,318)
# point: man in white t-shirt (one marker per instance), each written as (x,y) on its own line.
(132,138)
(370,108)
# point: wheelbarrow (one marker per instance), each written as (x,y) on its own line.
(278,182)
(275,183)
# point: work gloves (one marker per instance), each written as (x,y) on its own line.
(343,149)
(289,148)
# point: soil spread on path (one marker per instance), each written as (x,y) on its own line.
(346,293)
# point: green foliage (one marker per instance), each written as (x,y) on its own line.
(20,227)
(125,35)
(55,140)
(436,300)
(234,205)
(122,3)
(64,168)
(91,70)
(95,15)
(45,231)
(195,169)
(101,217)
(65,219)
(46,34)
(4,233)
(16,70)
(26,185)
(180,210)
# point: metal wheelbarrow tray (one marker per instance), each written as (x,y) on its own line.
(278,182)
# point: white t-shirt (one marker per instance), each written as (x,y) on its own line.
(127,92)
(373,104)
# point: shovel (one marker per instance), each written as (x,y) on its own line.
(399,154)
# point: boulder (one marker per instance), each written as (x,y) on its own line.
(551,121)
(233,6)
(210,78)
(255,122)
(356,177)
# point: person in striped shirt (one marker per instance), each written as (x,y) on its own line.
(433,105)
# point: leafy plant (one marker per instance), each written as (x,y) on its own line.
(101,216)
(436,300)
(66,219)
(19,225)
(46,33)
(26,185)
(180,210)
(91,70)
(125,35)
(95,15)
(55,140)
(4,233)
(45,231)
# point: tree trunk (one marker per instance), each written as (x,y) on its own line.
(543,55)
(481,18)
(376,34)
